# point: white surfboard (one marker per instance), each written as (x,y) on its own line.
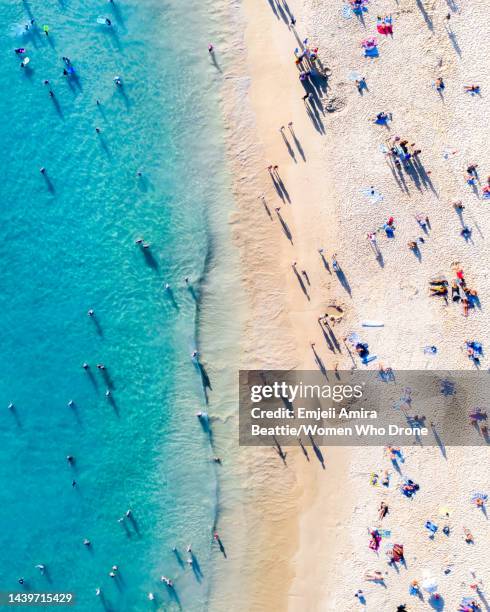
(370,323)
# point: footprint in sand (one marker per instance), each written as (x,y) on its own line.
(409,289)
(334,104)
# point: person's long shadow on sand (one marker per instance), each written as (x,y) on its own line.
(221,545)
(285,226)
(343,281)
(425,15)
(324,261)
(279,451)
(315,118)
(206,382)
(333,337)
(288,146)
(281,13)
(214,61)
(301,282)
(439,442)
(279,186)
(272,4)
(297,143)
(424,176)
(319,362)
(326,337)
(303,448)
(454,41)
(318,452)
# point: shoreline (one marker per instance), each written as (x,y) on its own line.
(277,316)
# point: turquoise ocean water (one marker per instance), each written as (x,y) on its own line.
(67,245)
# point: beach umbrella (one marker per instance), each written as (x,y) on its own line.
(429,585)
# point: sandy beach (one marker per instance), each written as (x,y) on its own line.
(311,526)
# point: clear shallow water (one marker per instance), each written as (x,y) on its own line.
(67,245)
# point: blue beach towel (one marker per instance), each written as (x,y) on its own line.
(371,52)
(346,12)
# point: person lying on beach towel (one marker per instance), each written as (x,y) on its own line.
(395,553)
(409,488)
(375,541)
(385,25)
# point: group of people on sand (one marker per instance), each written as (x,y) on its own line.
(405,154)
(396,553)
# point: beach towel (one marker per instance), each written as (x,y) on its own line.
(368,359)
(372,52)
(353,338)
(354,76)
(372,195)
(346,12)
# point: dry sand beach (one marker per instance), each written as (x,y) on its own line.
(310,527)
